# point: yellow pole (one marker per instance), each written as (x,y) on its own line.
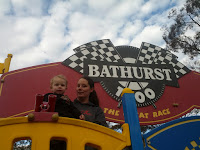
(4,67)
(1,68)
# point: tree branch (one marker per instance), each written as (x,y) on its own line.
(193,20)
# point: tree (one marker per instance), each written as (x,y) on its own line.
(22,145)
(186,20)
(193,65)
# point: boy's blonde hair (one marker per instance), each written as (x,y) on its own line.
(58,76)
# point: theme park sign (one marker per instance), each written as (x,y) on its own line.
(165,89)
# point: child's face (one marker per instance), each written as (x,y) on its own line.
(58,86)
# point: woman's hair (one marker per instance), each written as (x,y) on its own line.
(58,76)
(93,98)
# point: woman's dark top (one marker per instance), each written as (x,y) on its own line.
(91,112)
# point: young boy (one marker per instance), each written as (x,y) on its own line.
(64,106)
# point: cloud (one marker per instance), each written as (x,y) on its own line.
(30,57)
(19,34)
(47,31)
(87,27)
(152,7)
(27,8)
(124,10)
(150,34)
(4,7)
(103,5)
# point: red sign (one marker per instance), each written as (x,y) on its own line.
(18,90)
(165,89)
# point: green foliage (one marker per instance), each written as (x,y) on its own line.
(22,145)
(184,33)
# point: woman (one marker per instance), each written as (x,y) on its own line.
(88,103)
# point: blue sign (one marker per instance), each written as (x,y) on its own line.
(179,134)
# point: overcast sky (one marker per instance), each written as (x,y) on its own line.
(46,31)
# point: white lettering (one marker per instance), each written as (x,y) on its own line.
(105,71)
(127,71)
(139,97)
(148,73)
(114,70)
(167,71)
(149,93)
(93,71)
(158,73)
(135,72)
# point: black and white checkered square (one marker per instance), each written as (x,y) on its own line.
(179,69)
(106,48)
(147,53)
(172,55)
(168,58)
(77,49)
(76,60)
(92,53)
(162,58)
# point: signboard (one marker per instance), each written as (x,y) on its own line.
(178,134)
(164,88)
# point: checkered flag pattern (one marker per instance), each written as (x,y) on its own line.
(169,54)
(172,55)
(76,60)
(147,53)
(84,46)
(179,69)
(166,58)
(163,58)
(105,47)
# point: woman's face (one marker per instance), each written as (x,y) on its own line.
(83,90)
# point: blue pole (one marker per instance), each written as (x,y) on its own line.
(131,117)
